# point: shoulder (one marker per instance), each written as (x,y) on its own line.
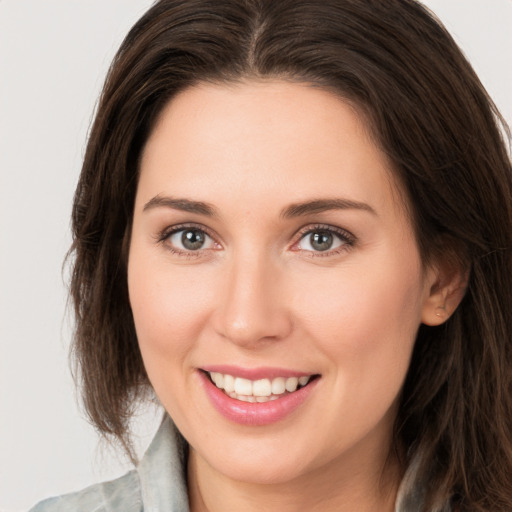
(120,495)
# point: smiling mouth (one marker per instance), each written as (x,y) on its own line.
(258,391)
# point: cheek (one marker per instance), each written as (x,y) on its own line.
(366,316)
(169,308)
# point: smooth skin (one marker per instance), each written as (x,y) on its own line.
(224,268)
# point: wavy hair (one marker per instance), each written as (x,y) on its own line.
(426,109)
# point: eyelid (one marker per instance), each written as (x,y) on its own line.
(169,230)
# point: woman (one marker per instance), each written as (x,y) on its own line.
(294,225)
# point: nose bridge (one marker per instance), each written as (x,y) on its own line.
(251,309)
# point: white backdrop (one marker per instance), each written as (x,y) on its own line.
(53,58)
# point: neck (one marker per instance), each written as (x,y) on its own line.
(340,488)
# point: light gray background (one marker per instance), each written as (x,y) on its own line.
(53,58)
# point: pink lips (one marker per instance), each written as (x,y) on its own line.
(255,414)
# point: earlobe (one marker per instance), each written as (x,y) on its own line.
(446,290)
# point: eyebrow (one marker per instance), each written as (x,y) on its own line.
(291,211)
(323,205)
(185,205)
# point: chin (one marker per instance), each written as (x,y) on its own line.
(256,461)
(270,470)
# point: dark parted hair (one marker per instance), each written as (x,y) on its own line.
(425,108)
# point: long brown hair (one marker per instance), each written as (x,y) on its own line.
(426,109)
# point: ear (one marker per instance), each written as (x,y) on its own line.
(445,288)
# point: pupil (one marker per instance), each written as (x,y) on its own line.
(321,241)
(192,240)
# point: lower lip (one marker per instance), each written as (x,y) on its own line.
(255,414)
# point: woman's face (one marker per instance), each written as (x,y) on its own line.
(270,245)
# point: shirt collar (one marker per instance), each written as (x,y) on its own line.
(162,471)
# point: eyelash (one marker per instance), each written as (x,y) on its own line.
(348,239)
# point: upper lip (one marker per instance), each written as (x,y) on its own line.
(261,372)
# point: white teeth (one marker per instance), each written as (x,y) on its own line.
(278,386)
(243,386)
(291,384)
(302,380)
(218,378)
(261,390)
(229,383)
(261,387)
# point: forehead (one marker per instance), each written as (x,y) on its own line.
(260,141)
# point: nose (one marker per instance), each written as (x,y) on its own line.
(252,306)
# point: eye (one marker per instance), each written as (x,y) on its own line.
(189,239)
(324,240)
